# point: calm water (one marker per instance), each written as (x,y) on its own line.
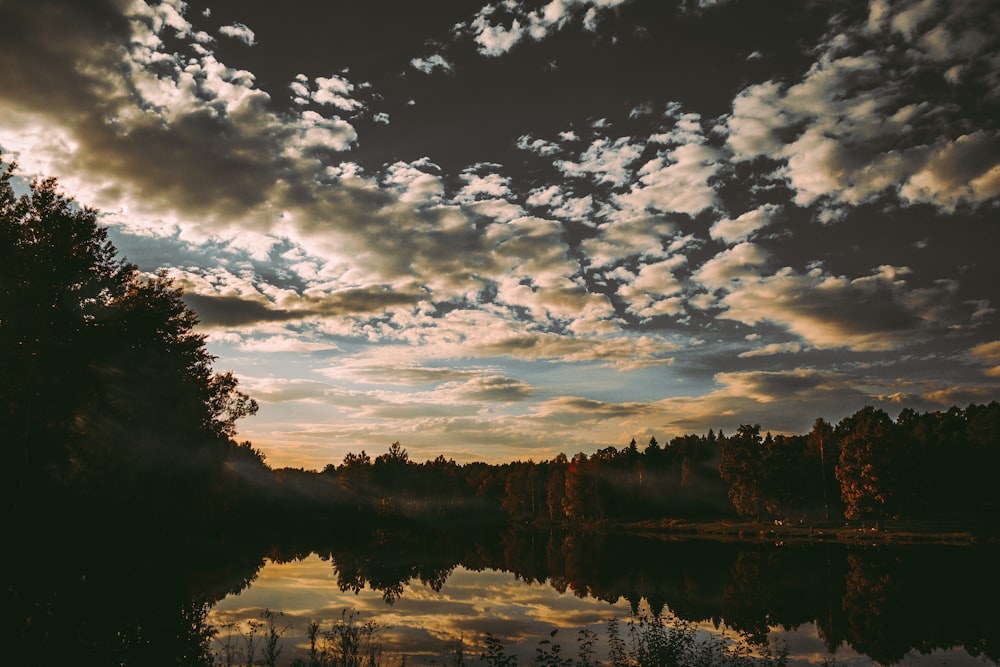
(422,622)
(914,605)
(115,601)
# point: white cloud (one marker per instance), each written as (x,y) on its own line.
(605,160)
(414,182)
(239,32)
(856,126)
(772,349)
(487,185)
(745,226)
(431,63)
(676,182)
(317,132)
(538,146)
(653,290)
(335,91)
(495,38)
(628,236)
(966,170)
(548,196)
(751,128)
(740,263)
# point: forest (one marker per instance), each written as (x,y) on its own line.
(111,412)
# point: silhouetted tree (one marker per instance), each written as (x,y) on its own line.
(105,387)
(824,452)
(743,467)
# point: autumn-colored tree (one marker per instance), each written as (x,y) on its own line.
(555,488)
(868,464)
(581,501)
(522,498)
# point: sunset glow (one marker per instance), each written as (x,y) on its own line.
(502,231)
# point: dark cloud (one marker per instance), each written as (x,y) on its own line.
(493,388)
(234,311)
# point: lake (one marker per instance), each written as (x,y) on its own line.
(105,600)
(856,604)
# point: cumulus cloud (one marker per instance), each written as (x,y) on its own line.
(875,312)
(334,91)
(541,147)
(676,182)
(857,126)
(415,182)
(653,289)
(497,28)
(628,237)
(239,32)
(740,264)
(781,401)
(965,170)
(744,226)
(605,161)
(431,63)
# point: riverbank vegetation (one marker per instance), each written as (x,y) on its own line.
(642,640)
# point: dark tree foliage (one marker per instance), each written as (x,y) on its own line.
(868,469)
(743,467)
(106,390)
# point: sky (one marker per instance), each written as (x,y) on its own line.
(498,231)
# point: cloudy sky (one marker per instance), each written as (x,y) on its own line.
(499,231)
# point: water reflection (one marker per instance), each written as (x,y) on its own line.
(884,602)
(422,620)
(106,601)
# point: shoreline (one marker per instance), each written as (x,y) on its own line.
(892,532)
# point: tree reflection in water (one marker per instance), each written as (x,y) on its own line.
(144,603)
(883,601)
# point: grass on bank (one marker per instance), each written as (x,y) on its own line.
(641,641)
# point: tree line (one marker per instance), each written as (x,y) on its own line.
(867,467)
(109,405)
